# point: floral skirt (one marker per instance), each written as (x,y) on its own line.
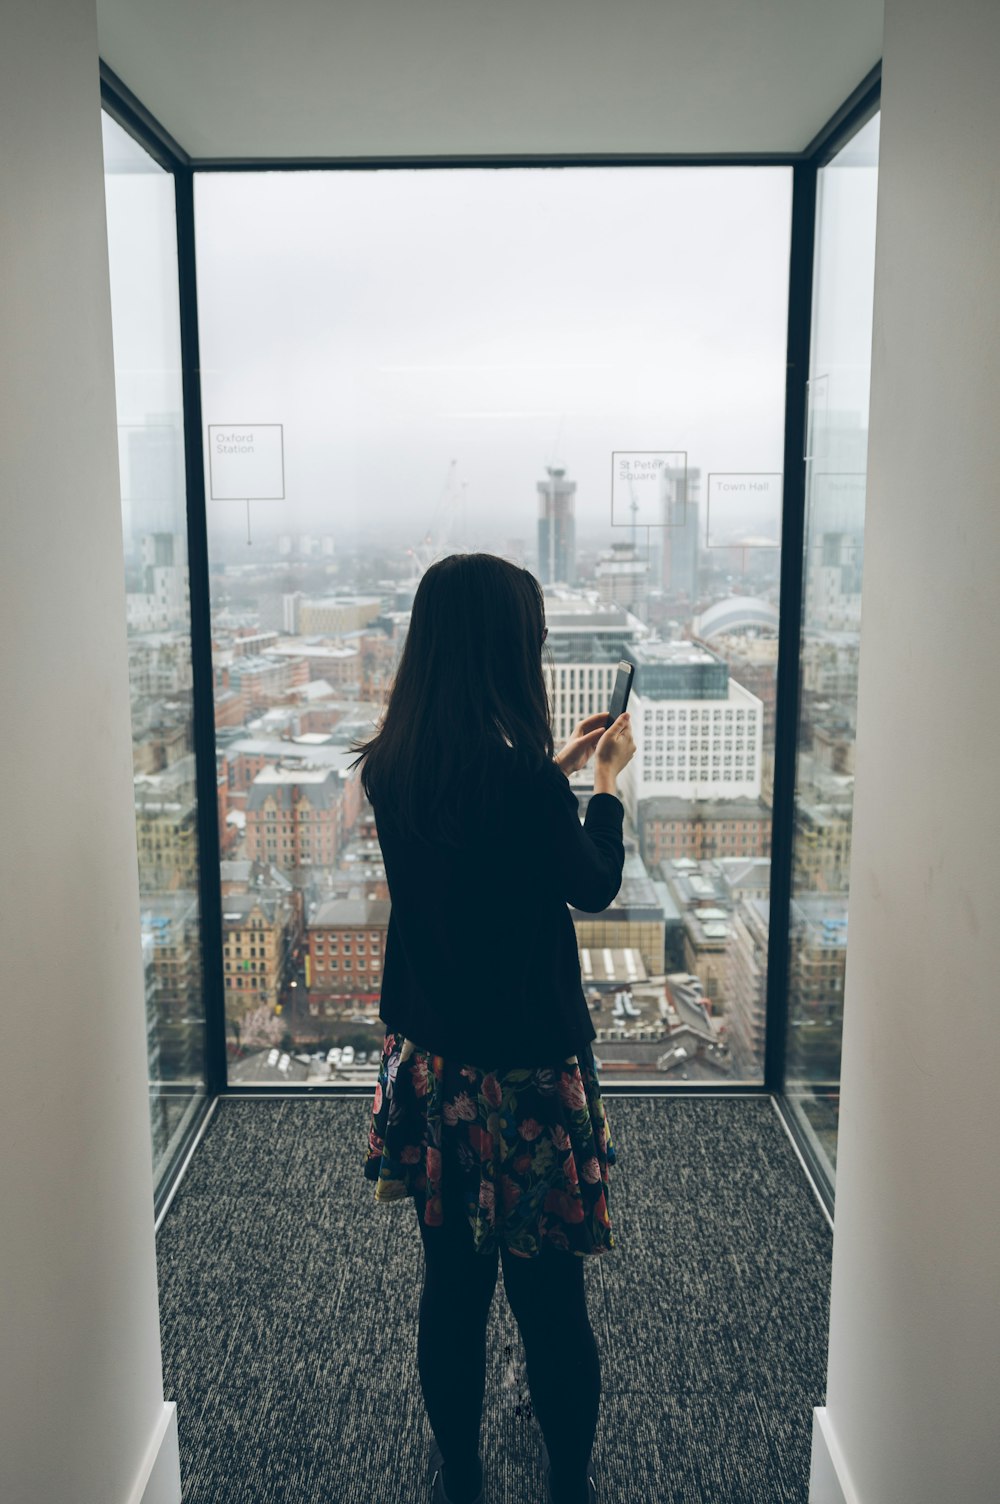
(532,1147)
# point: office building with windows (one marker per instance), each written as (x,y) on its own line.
(698,733)
(587,639)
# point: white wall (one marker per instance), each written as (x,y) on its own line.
(81,1405)
(914,1365)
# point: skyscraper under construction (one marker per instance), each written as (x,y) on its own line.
(556,528)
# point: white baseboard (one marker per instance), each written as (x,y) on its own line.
(829,1480)
(159,1480)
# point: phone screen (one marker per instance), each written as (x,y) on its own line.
(620,693)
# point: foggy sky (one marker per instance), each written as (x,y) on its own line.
(426,333)
(396,321)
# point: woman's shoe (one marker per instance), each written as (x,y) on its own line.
(438,1495)
(546,1468)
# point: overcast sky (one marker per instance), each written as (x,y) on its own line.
(397,321)
(428,333)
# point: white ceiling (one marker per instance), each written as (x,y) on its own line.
(332,78)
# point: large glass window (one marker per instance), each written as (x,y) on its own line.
(582,370)
(836,460)
(142,248)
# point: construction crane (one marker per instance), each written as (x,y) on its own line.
(438,538)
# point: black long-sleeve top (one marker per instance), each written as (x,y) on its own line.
(481,962)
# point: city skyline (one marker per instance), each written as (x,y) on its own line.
(444,354)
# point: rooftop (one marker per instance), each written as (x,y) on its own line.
(678,651)
(338,912)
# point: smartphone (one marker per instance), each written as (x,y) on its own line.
(621,691)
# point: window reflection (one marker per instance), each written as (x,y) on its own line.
(836,459)
(145,320)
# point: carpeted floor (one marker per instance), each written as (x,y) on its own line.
(289,1300)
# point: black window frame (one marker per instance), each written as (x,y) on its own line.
(863,103)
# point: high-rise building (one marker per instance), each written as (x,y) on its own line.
(835,523)
(556,528)
(622,575)
(817,966)
(170,939)
(290,606)
(164,601)
(747,986)
(678,559)
(153,498)
(833,582)
(167,828)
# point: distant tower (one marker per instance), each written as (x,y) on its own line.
(154,492)
(556,528)
(679,560)
(622,575)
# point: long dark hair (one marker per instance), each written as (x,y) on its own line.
(469,689)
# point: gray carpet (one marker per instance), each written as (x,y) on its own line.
(289,1300)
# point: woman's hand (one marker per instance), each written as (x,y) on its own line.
(616,747)
(577,751)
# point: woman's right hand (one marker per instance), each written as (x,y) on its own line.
(616,747)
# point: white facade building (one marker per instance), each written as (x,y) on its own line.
(698,733)
(586,637)
(577,690)
(165,600)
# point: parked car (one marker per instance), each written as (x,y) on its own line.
(347,1058)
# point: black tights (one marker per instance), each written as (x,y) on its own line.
(547,1297)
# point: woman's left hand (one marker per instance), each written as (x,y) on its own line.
(581,744)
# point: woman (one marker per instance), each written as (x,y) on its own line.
(488,1109)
